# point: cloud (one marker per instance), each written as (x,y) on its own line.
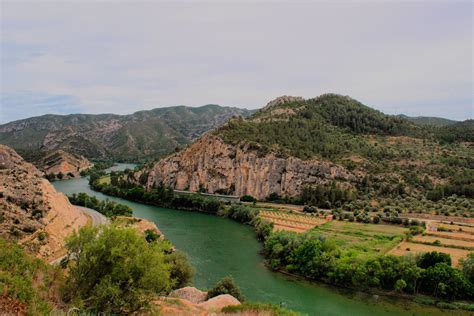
(122,57)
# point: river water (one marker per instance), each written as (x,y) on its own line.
(218,247)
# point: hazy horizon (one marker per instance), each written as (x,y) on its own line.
(412,58)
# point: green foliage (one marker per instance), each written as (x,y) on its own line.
(241,213)
(326,195)
(430,259)
(27,279)
(467,265)
(151,235)
(248,198)
(181,272)
(114,270)
(106,207)
(314,257)
(226,286)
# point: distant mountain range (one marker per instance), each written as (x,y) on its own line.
(429,120)
(134,137)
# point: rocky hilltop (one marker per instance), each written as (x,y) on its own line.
(144,134)
(294,143)
(31,211)
(217,167)
(60,162)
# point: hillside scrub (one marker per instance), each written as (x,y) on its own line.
(31,283)
(115,270)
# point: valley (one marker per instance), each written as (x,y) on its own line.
(216,246)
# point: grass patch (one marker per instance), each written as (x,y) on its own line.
(356,239)
(104,179)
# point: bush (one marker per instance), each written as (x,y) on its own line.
(248,198)
(181,272)
(226,286)
(429,259)
(114,270)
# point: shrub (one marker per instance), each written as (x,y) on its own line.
(248,198)
(123,273)
(226,286)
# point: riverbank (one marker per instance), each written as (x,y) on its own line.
(218,247)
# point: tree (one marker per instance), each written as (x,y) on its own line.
(226,286)
(114,269)
(181,272)
(400,285)
(429,259)
(467,265)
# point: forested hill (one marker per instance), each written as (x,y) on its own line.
(119,137)
(331,126)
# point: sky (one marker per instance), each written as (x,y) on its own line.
(412,57)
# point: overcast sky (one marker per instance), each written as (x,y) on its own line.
(123,56)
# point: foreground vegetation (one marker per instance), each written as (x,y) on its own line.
(30,283)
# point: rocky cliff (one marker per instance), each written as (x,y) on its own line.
(215,166)
(62,162)
(31,211)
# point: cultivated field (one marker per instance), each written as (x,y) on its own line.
(445,241)
(291,222)
(362,239)
(455,240)
(407,247)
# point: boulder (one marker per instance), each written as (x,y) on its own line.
(190,293)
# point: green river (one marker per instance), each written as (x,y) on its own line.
(218,247)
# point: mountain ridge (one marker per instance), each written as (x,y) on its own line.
(292,145)
(132,137)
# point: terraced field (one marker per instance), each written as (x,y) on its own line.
(359,239)
(291,221)
(458,242)
(406,248)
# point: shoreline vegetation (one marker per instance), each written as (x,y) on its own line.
(428,279)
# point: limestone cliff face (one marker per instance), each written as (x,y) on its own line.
(32,212)
(211,164)
(60,161)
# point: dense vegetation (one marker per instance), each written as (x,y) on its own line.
(397,164)
(27,280)
(105,207)
(316,258)
(115,270)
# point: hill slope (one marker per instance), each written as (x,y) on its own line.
(119,137)
(31,211)
(331,143)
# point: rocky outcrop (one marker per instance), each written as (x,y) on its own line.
(64,163)
(216,166)
(281,100)
(191,301)
(31,211)
(189,293)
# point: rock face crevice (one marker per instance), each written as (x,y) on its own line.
(215,166)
